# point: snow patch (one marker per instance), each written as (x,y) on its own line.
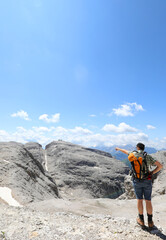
(6,195)
(46,165)
(6,161)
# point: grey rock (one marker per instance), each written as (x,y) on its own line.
(129,190)
(36,150)
(85,172)
(159,185)
(24,174)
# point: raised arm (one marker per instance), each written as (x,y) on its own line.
(121,150)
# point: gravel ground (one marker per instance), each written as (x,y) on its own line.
(24,223)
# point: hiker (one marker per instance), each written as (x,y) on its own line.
(142,180)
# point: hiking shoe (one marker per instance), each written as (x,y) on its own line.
(150,224)
(140,222)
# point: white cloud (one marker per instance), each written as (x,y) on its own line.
(150,127)
(161,143)
(120,139)
(43,129)
(92,115)
(80,130)
(128,109)
(53,119)
(70,134)
(4,135)
(124,110)
(89,138)
(22,114)
(121,128)
(138,107)
(79,135)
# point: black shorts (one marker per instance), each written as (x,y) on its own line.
(142,188)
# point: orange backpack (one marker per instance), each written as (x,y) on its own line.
(139,165)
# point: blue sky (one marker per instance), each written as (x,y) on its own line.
(63,61)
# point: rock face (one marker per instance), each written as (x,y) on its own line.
(24,175)
(84,172)
(36,150)
(159,179)
(129,190)
(159,186)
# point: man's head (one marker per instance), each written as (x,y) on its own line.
(140,146)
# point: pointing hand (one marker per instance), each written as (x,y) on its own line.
(117,148)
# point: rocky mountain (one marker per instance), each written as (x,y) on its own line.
(84,172)
(22,178)
(30,173)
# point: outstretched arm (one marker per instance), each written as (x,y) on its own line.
(122,150)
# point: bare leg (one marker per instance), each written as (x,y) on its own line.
(140,206)
(149,208)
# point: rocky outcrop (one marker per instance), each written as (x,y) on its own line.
(36,150)
(23,175)
(84,172)
(159,186)
(129,190)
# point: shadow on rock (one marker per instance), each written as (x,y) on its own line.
(158,232)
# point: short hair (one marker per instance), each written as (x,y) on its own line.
(141,146)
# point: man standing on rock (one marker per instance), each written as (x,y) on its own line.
(142,179)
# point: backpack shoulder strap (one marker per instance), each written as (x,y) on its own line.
(145,154)
(144,159)
(135,151)
(145,167)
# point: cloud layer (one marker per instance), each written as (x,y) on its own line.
(78,135)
